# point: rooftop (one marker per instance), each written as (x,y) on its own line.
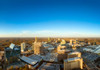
(35,57)
(50,57)
(74,53)
(28,60)
(49,66)
(72,59)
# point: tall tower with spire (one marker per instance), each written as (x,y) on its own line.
(35,39)
(49,39)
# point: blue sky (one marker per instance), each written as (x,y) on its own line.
(50,18)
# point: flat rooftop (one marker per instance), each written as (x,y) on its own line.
(50,57)
(28,60)
(49,66)
(72,59)
(35,57)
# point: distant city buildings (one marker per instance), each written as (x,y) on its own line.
(72,42)
(63,42)
(61,49)
(50,55)
(76,43)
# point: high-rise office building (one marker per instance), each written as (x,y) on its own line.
(35,39)
(61,49)
(73,63)
(62,52)
(23,46)
(32,46)
(71,42)
(12,53)
(49,40)
(38,48)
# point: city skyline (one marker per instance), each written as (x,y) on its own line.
(52,18)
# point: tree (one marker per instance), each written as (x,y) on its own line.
(26,68)
(20,68)
(1,69)
(11,68)
(17,68)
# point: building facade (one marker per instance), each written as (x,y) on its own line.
(38,48)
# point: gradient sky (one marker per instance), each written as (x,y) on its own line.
(50,18)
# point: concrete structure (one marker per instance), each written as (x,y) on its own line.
(52,57)
(62,52)
(23,46)
(38,48)
(74,47)
(35,57)
(73,63)
(32,46)
(1,59)
(89,43)
(1,55)
(61,49)
(71,42)
(48,48)
(74,54)
(28,60)
(49,66)
(63,41)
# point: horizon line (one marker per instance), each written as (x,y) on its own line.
(50,37)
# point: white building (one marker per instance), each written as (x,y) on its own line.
(23,46)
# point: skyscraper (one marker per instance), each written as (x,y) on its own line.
(38,48)
(73,63)
(23,46)
(49,39)
(35,39)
